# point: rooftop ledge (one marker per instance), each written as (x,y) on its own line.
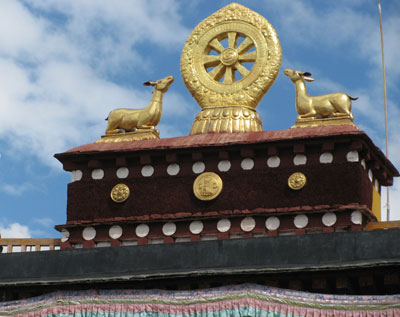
(314,252)
(219,139)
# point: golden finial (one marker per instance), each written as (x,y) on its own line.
(138,124)
(319,110)
(229,62)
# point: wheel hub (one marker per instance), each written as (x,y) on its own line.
(229,56)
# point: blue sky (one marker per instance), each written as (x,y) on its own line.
(65,64)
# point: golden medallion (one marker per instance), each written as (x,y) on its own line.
(228,63)
(207,186)
(297,181)
(120,193)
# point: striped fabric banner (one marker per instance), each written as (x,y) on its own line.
(243,300)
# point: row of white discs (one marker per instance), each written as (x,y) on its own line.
(223,166)
(196,227)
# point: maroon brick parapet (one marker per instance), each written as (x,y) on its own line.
(341,164)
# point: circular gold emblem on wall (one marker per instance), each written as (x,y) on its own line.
(297,181)
(120,193)
(231,58)
(207,186)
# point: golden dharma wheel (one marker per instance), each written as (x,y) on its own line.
(227,58)
(229,62)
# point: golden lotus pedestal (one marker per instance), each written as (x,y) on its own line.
(226,119)
(313,122)
(137,135)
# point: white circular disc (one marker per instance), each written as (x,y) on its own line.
(173,169)
(273,161)
(300,159)
(97,173)
(122,172)
(76,175)
(352,156)
(196,227)
(248,224)
(356,217)
(247,163)
(64,235)
(326,158)
(272,223)
(147,170)
(329,219)
(89,233)
(223,225)
(198,167)
(224,166)
(115,232)
(301,221)
(169,229)
(142,230)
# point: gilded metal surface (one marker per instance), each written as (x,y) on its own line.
(297,181)
(313,122)
(322,109)
(207,186)
(230,61)
(227,119)
(120,193)
(137,135)
(124,120)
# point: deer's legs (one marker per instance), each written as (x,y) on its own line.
(310,114)
(146,127)
(113,131)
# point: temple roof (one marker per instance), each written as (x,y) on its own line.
(270,255)
(225,139)
(219,139)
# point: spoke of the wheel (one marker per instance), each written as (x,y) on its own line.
(229,75)
(245,45)
(217,72)
(232,39)
(241,69)
(210,60)
(248,57)
(216,45)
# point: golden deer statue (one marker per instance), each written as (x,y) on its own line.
(336,104)
(126,120)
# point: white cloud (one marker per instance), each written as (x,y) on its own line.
(16,189)
(44,222)
(341,25)
(14,230)
(54,88)
(106,33)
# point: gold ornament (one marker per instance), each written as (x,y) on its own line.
(207,186)
(229,62)
(330,109)
(137,135)
(138,124)
(120,193)
(297,181)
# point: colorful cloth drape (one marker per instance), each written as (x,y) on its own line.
(244,300)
